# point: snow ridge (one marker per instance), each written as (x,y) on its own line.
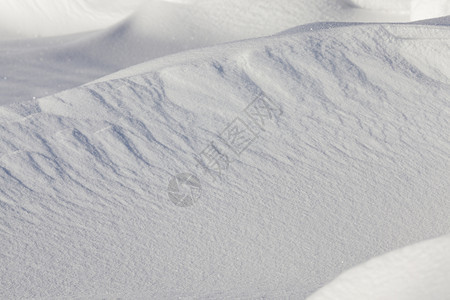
(357,165)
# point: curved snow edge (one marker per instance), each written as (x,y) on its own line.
(419,271)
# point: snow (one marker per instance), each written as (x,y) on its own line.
(403,6)
(421,271)
(423,9)
(43,18)
(351,162)
(356,165)
(38,67)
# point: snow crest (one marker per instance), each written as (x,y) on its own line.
(420,271)
(357,165)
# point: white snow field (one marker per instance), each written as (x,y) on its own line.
(420,271)
(32,68)
(333,143)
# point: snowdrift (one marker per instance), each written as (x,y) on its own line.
(420,271)
(43,18)
(347,159)
(39,67)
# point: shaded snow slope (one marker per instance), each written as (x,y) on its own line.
(437,56)
(40,67)
(443,21)
(31,18)
(37,18)
(421,271)
(43,18)
(354,162)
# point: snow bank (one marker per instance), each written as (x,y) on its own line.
(33,18)
(352,163)
(38,67)
(427,9)
(34,68)
(30,18)
(420,271)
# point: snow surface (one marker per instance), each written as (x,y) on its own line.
(353,163)
(42,18)
(426,9)
(420,271)
(356,165)
(39,67)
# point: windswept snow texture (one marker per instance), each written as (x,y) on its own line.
(421,271)
(41,67)
(357,164)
